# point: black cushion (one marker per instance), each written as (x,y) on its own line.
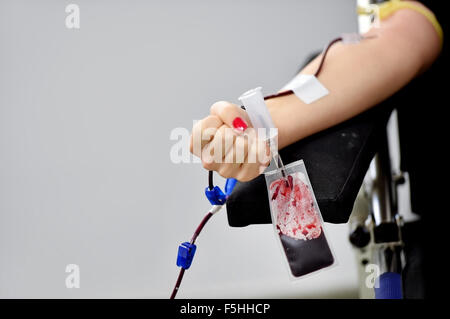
(336,160)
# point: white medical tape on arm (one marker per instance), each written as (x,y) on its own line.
(351,38)
(307,88)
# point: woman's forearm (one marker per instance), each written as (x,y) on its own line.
(359,76)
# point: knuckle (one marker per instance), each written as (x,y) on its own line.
(217,105)
(228,171)
(222,108)
(224,172)
(208,133)
(227,109)
(207,164)
(244,178)
(213,120)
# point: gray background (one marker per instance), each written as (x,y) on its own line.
(85,120)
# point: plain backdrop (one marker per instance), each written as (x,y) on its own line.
(85,123)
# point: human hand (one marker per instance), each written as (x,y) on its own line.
(227,143)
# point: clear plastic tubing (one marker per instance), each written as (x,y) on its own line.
(259,115)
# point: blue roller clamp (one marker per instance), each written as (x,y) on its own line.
(389,286)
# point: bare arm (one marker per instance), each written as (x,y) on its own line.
(359,76)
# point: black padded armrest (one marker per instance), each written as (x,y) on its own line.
(336,159)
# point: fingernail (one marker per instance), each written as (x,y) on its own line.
(239,124)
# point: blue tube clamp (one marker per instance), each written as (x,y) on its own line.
(215,195)
(186,252)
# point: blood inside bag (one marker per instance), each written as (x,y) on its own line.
(299,225)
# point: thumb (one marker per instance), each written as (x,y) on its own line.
(232,115)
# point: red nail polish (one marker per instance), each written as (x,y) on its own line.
(239,124)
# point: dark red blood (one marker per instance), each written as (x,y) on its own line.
(306,256)
(275,194)
(291,181)
(284,190)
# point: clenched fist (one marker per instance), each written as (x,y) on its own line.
(227,143)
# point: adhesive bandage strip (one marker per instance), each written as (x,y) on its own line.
(307,88)
(351,38)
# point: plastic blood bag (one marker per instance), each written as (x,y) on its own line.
(297,220)
(294,210)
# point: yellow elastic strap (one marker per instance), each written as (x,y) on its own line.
(389,7)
